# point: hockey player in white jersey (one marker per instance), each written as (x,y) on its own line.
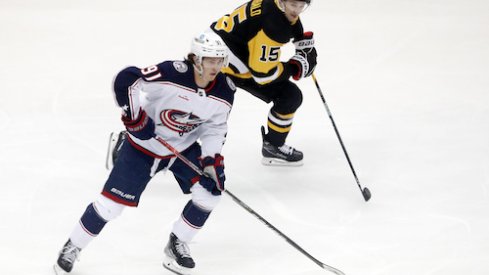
(187,104)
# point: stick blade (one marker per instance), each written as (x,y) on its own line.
(366,194)
(332,269)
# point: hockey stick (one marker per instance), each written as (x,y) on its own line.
(194,167)
(365,192)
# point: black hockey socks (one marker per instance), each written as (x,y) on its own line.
(279,126)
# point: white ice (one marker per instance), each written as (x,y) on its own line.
(407,82)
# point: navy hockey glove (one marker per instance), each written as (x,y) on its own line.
(213,167)
(143,127)
(305,58)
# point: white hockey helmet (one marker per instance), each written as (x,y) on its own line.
(209,44)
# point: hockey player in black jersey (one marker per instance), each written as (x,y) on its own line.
(255,33)
(179,102)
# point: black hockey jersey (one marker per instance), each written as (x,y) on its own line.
(255,33)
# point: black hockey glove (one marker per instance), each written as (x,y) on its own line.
(213,167)
(305,43)
(305,58)
(142,127)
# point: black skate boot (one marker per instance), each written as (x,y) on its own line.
(177,256)
(115,143)
(279,155)
(67,256)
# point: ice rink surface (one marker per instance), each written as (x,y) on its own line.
(407,82)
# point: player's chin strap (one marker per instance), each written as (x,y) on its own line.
(200,69)
(194,167)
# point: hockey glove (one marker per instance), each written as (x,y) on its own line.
(213,167)
(306,43)
(143,127)
(305,58)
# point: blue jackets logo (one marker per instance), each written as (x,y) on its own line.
(179,121)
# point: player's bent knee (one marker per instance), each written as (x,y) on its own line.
(203,198)
(107,208)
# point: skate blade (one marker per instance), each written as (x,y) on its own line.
(280,162)
(173,266)
(114,136)
(58,270)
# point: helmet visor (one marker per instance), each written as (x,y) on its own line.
(296,6)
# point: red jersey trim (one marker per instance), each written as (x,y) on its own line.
(146,151)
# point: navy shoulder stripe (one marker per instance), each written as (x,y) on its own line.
(224,88)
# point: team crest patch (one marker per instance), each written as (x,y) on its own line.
(180,121)
(231,83)
(180,66)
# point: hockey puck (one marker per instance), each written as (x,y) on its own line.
(366,194)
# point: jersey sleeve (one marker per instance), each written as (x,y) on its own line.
(265,47)
(214,134)
(255,33)
(214,131)
(126,92)
(264,60)
(131,82)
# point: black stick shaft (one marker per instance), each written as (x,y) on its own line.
(338,135)
(250,210)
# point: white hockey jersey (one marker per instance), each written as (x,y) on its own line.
(182,112)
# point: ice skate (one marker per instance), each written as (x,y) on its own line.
(177,257)
(115,143)
(279,155)
(67,256)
